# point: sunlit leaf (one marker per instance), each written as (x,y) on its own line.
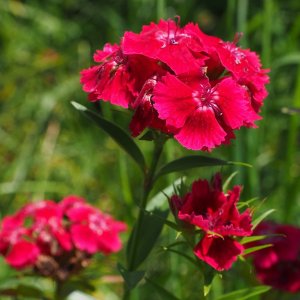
(119,135)
(256,248)
(253,238)
(261,218)
(228,181)
(245,293)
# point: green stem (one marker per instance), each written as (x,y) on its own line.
(58,294)
(148,183)
(161,9)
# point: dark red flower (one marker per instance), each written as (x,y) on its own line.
(207,207)
(279,265)
(220,253)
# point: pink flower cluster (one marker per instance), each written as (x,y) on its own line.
(208,208)
(71,230)
(180,81)
(279,265)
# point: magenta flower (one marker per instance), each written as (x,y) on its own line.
(168,43)
(181,82)
(208,208)
(279,265)
(57,239)
(93,231)
(15,243)
(205,115)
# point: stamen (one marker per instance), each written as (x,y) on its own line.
(237,37)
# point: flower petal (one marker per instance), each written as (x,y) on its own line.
(217,252)
(22,254)
(84,238)
(234,103)
(173,101)
(201,131)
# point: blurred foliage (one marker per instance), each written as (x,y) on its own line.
(49,150)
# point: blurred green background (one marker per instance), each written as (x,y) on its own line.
(49,150)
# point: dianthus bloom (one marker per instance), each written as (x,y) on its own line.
(208,208)
(279,265)
(195,87)
(58,239)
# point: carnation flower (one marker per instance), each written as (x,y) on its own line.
(180,81)
(58,239)
(93,231)
(208,208)
(279,265)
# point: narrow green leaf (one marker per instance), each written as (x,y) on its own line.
(253,238)
(149,232)
(245,293)
(160,199)
(246,203)
(189,162)
(131,278)
(261,217)
(256,248)
(228,180)
(165,295)
(115,132)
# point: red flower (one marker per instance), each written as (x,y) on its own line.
(93,231)
(22,254)
(118,78)
(204,114)
(181,82)
(166,42)
(209,209)
(245,67)
(15,242)
(279,265)
(48,229)
(220,253)
(110,80)
(145,114)
(63,234)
